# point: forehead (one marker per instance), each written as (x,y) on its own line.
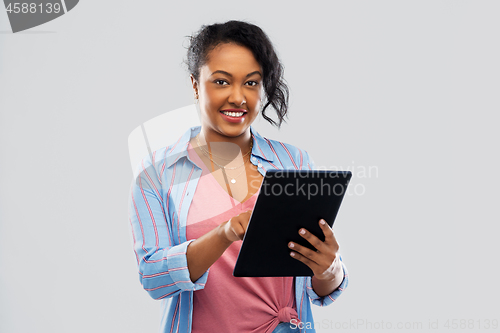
(232,58)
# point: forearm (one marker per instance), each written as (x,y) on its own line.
(326,287)
(204,251)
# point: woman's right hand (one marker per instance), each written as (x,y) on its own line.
(204,251)
(235,228)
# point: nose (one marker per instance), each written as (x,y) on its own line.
(237,97)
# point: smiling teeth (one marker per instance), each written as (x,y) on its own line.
(233,114)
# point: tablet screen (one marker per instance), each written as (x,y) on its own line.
(288,200)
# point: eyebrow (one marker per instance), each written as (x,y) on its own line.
(228,74)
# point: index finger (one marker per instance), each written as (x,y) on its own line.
(328,232)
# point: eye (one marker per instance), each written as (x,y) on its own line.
(252,83)
(221,82)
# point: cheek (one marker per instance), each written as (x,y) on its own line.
(255,101)
(213,98)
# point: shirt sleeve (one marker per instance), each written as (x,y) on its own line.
(162,263)
(328,299)
(308,163)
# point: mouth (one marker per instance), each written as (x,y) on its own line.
(234,113)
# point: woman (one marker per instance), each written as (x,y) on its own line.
(191,203)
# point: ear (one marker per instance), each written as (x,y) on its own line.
(194,83)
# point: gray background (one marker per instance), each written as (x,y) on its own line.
(408,88)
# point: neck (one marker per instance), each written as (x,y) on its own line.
(224,146)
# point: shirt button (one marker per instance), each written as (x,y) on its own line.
(259,165)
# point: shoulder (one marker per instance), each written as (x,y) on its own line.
(288,155)
(163,158)
(152,166)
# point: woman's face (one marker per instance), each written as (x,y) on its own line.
(230,81)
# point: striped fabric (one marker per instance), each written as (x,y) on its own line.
(158,205)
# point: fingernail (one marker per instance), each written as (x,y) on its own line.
(291,245)
(302,231)
(292,254)
(322,222)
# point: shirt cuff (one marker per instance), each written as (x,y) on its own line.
(328,299)
(178,269)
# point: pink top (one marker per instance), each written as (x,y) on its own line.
(229,304)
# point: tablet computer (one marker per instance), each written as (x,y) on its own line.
(287,201)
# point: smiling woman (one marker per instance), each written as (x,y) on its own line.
(191,203)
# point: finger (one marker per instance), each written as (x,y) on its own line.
(244,226)
(311,264)
(328,232)
(239,226)
(304,251)
(240,231)
(232,232)
(246,219)
(313,240)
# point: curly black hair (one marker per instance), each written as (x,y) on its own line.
(252,37)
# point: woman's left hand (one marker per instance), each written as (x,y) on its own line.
(324,262)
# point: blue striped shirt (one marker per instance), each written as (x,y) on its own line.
(158,207)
